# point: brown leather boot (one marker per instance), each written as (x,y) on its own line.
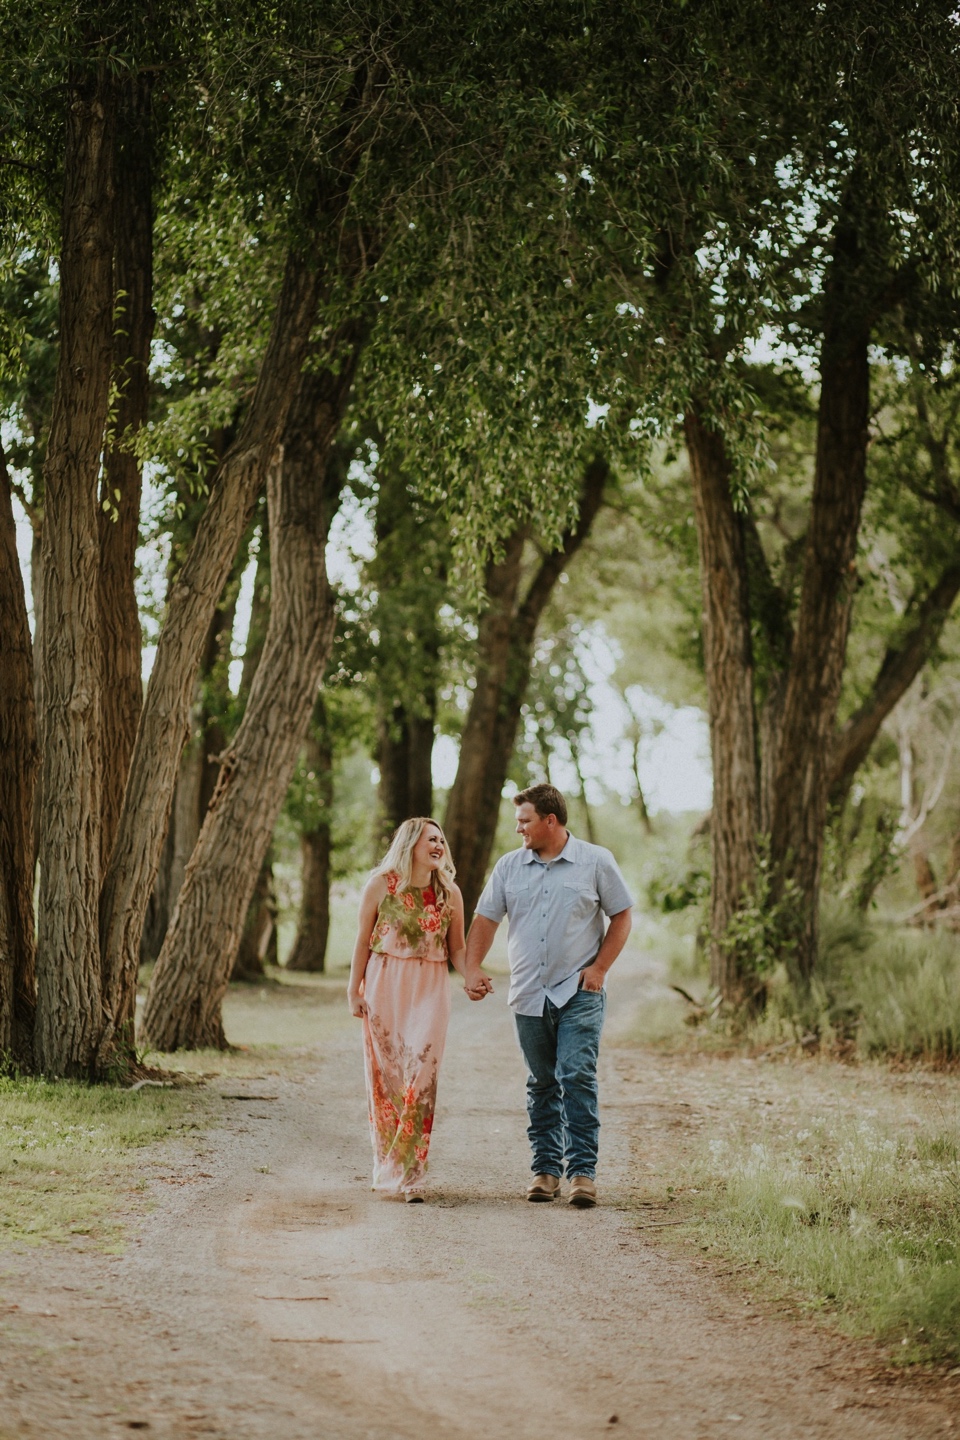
(543,1187)
(583,1192)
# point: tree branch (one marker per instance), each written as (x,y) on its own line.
(553,565)
(902,663)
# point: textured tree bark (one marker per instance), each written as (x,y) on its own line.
(819,651)
(902,663)
(258,946)
(316,847)
(196,773)
(198,586)
(488,735)
(259,938)
(120,638)
(69,992)
(728,659)
(504,652)
(183,1007)
(19,760)
(404,756)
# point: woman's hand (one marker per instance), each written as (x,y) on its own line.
(477,985)
(358,1006)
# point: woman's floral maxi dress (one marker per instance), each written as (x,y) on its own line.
(407,992)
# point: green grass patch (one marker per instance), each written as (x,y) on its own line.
(69,1151)
(856,1216)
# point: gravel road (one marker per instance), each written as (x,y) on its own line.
(268,1293)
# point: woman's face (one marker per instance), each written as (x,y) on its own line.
(429,848)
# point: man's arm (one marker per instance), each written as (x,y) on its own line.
(613,942)
(479,941)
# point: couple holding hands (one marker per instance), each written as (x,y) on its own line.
(554,892)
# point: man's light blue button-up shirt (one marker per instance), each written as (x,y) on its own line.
(555,913)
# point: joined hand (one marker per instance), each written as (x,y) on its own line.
(477,986)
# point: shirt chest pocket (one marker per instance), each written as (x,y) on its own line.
(580,899)
(518,896)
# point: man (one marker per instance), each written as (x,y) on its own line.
(555,892)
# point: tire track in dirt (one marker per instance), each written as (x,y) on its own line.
(270,1294)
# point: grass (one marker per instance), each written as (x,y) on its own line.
(69,1151)
(853,1216)
(835,1185)
(71,1154)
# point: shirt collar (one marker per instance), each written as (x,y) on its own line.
(570,852)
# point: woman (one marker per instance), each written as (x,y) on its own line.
(411,924)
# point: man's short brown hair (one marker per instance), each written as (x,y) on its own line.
(545,799)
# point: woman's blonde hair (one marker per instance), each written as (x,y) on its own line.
(399,858)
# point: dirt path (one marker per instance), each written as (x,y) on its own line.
(269,1294)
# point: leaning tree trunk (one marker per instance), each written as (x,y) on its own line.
(194,595)
(19,757)
(259,928)
(183,1007)
(120,637)
(504,656)
(69,992)
(728,662)
(316,848)
(198,768)
(819,651)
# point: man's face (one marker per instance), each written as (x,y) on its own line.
(537,830)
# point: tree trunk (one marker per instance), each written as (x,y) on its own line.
(826,598)
(183,1007)
(197,772)
(19,760)
(504,653)
(904,659)
(584,802)
(925,878)
(316,848)
(409,572)
(258,938)
(193,597)
(639,799)
(259,616)
(728,662)
(405,757)
(120,637)
(69,1018)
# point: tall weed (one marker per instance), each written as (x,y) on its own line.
(855,1218)
(891,993)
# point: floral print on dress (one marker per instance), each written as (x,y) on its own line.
(410,923)
(401,1119)
(404,1031)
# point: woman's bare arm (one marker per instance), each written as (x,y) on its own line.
(373,893)
(456,940)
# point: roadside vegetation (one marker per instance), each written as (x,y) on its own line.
(71,1154)
(833,1188)
(827,1173)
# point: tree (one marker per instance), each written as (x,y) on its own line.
(506,634)
(19,757)
(408,578)
(184,1001)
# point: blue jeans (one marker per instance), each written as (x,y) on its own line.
(561,1048)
